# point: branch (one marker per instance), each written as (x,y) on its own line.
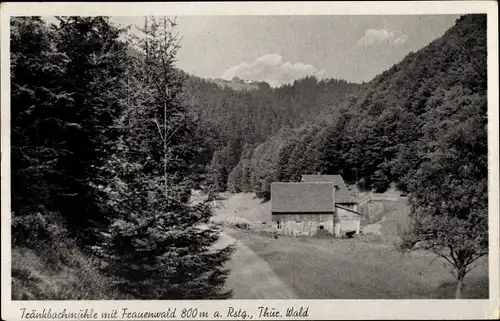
(453,256)
(159,128)
(437,255)
(446,258)
(469,262)
(168,140)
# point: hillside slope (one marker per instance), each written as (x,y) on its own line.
(55,269)
(383,132)
(234,120)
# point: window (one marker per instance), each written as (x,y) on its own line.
(336,188)
(279,225)
(321,225)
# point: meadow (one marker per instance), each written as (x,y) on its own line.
(309,268)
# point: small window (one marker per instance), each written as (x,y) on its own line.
(279,226)
(336,188)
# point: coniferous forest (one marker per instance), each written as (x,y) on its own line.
(109,139)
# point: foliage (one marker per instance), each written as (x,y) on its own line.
(100,144)
(109,136)
(231,119)
(450,188)
(159,245)
(37,103)
(63,105)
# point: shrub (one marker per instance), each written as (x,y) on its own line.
(47,265)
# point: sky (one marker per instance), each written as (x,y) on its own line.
(280,49)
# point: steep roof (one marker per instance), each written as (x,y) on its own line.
(342,194)
(302,197)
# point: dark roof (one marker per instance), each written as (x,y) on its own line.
(342,194)
(302,197)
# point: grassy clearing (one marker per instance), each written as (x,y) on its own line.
(242,208)
(354,269)
(385,217)
(251,277)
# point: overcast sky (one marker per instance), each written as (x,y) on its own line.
(279,49)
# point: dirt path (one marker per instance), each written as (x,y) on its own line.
(251,277)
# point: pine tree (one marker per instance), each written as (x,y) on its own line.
(64,92)
(160,244)
(218,173)
(284,158)
(38,121)
(246,164)
(234,179)
(94,61)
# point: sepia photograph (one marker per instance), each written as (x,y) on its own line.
(237,157)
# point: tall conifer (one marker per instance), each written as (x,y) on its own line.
(160,244)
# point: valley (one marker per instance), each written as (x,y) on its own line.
(310,268)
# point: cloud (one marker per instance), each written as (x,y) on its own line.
(400,40)
(373,36)
(271,69)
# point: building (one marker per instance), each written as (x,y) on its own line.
(318,202)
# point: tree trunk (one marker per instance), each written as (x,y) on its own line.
(165,146)
(460,283)
(458,291)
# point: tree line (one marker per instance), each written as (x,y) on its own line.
(235,121)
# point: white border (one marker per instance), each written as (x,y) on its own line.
(318,309)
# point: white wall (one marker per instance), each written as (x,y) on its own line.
(348,221)
(344,220)
(307,225)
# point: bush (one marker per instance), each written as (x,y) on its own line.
(36,230)
(47,265)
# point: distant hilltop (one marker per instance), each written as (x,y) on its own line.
(239,84)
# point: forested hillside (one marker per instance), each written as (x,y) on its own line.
(103,151)
(388,128)
(234,121)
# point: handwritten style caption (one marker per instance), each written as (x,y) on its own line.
(260,313)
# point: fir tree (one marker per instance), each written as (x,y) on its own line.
(37,119)
(160,244)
